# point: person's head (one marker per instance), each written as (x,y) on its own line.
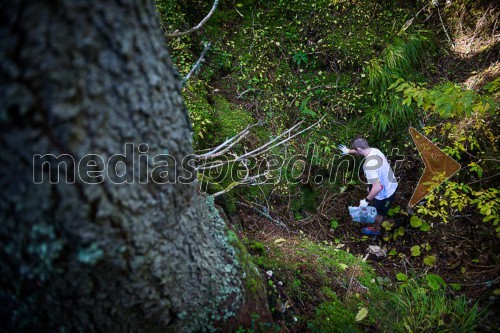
(360,145)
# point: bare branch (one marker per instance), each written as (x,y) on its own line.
(262,149)
(197,27)
(273,140)
(215,152)
(196,65)
(444,28)
(282,142)
(410,21)
(244,156)
(246,181)
(265,214)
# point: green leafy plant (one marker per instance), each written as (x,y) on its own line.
(487,202)
(476,168)
(415,250)
(300,58)
(422,305)
(446,100)
(401,277)
(435,281)
(334,224)
(415,221)
(399,60)
(387,225)
(430,260)
(394,211)
(304,109)
(399,232)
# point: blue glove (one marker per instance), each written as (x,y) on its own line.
(344,149)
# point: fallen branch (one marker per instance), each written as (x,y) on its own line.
(264,148)
(197,27)
(224,149)
(238,137)
(196,65)
(444,28)
(265,214)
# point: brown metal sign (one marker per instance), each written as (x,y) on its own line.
(438,166)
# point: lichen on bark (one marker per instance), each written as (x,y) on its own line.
(82,78)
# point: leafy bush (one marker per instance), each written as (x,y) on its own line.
(446,100)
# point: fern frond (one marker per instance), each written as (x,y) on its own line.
(398,61)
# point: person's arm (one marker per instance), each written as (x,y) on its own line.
(376,188)
(347,151)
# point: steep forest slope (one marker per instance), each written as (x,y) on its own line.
(341,69)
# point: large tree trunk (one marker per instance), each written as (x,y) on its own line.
(87,77)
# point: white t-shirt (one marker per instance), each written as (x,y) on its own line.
(377,168)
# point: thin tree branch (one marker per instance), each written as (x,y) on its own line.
(262,149)
(196,65)
(246,179)
(288,139)
(253,151)
(265,214)
(215,152)
(197,27)
(273,140)
(444,28)
(410,21)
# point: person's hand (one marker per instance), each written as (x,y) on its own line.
(363,203)
(344,149)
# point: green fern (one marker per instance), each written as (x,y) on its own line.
(398,61)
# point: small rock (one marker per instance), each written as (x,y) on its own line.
(377,251)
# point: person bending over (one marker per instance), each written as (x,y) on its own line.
(382,183)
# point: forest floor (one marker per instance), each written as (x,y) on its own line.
(466,253)
(465,248)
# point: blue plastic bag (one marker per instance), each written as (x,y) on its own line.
(363,214)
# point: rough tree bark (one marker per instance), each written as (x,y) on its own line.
(87,77)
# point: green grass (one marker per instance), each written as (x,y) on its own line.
(339,285)
(416,308)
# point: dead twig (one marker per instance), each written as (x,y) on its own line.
(264,212)
(197,27)
(197,64)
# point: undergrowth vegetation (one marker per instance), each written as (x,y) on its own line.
(371,68)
